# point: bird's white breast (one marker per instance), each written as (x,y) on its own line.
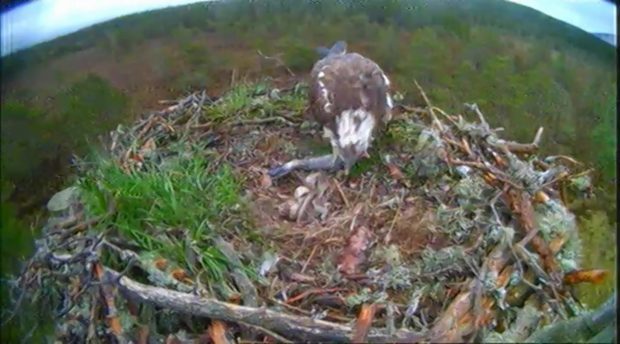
(351,133)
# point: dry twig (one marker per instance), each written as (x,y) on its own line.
(436,121)
(364,321)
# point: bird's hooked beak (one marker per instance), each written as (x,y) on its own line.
(349,157)
(348,165)
(347,168)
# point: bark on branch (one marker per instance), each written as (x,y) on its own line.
(295,327)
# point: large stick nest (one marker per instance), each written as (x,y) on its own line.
(447,233)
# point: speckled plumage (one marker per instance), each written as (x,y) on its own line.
(349,97)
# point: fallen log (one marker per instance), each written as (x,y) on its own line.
(289,326)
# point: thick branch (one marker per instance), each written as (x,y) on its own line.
(580,328)
(521,206)
(514,147)
(296,327)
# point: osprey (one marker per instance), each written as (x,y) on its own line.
(349,97)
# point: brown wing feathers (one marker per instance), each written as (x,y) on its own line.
(344,82)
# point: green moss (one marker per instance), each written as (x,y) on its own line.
(365,165)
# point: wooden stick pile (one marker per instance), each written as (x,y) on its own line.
(521,269)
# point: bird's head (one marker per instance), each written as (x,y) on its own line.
(352,153)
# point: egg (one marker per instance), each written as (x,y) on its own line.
(300,192)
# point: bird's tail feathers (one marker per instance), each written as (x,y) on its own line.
(322,51)
(339,48)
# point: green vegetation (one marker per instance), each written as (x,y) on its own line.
(16,244)
(596,230)
(23,135)
(545,73)
(174,210)
(35,139)
(188,194)
(16,237)
(87,107)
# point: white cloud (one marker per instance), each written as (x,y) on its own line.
(43,20)
(589,15)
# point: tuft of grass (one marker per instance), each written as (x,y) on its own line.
(239,98)
(251,100)
(169,208)
(235,102)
